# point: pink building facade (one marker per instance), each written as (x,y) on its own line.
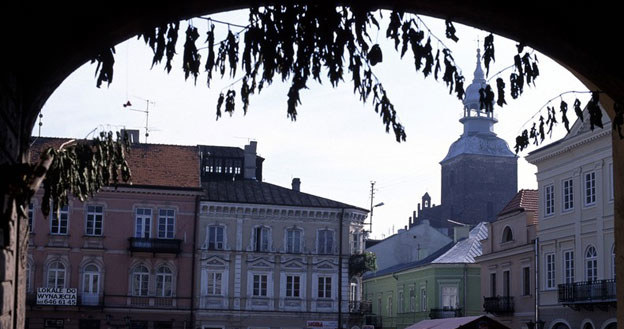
(122,259)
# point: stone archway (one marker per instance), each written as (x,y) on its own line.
(578,36)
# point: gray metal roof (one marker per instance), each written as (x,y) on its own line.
(481,144)
(465,251)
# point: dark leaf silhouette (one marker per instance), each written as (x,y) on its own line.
(500,86)
(375,55)
(541,129)
(488,53)
(486,99)
(595,114)
(534,135)
(105,61)
(522,141)
(219,104)
(578,110)
(552,119)
(450,31)
(191,58)
(172,39)
(563,108)
(210,61)
(230,102)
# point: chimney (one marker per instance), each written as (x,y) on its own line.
(250,160)
(296,184)
(133,135)
(460,232)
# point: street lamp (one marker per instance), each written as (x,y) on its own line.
(371,214)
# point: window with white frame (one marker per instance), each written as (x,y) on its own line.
(95,218)
(31,217)
(56,275)
(325,242)
(166,223)
(568,194)
(260,283)
(449,297)
(389,306)
(261,238)
(140,281)
(143,223)
(549,200)
(412,300)
(293,286)
(353,291)
(216,237)
(324,287)
(590,188)
(568,266)
(550,271)
(591,264)
(293,241)
(423,299)
(214,283)
(355,240)
(237,167)
(401,302)
(60,221)
(164,282)
(91,285)
(526,281)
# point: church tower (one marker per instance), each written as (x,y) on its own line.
(479,173)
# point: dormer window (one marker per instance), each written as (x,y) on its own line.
(507,234)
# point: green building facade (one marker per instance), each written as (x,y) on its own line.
(445,284)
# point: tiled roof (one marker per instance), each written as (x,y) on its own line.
(251,191)
(151,164)
(524,200)
(465,251)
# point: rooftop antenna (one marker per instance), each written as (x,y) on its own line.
(146,111)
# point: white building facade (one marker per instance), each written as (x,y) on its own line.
(576,259)
(275,262)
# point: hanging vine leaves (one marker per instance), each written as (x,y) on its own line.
(191,58)
(595,113)
(578,110)
(563,108)
(488,53)
(618,120)
(450,31)
(83,169)
(210,59)
(105,61)
(500,86)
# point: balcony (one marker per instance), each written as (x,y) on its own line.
(444,313)
(360,307)
(588,294)
(164,246)
(498,305)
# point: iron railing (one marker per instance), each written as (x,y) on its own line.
(360,307)
(446,312)
(165,246)
(498,304)
(587,292)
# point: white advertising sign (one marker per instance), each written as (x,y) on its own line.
(322,324)
(56,296)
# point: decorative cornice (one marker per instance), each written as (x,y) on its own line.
(541,155)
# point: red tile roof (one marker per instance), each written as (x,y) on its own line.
(150,164)
(524,200)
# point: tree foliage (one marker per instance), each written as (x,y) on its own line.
(299,43)
(362,263)
(82,169)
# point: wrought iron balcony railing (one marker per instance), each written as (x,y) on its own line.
(360,307)
(443,313)
(498,304)
(165,246)
(587,292)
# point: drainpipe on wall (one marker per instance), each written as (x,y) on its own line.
(465,288)
(195,220)
(340,269)
(536,280)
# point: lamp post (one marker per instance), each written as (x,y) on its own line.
(371,214)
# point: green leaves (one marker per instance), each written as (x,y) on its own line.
(362,263)
(83,169)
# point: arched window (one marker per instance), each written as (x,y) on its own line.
(588,325)
(507,234)
(591,264)
(164,280)
(140,281)
(91,285)
(56,275)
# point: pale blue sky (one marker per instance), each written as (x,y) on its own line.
(337,145)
